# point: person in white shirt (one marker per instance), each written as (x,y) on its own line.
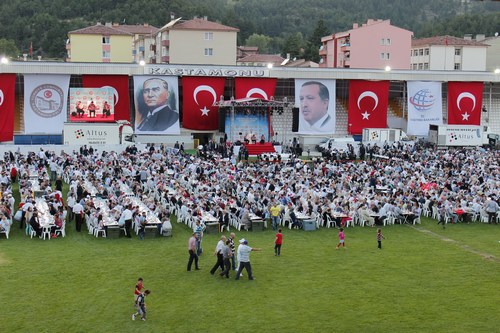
(244,258)
(78,212)
(127,217)
(218,253)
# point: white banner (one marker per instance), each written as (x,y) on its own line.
(425,107)
(316,101)
(156,105)
(45,103)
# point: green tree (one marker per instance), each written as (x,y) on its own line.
(294,45)
(314,42)
(8,48)
(261,41)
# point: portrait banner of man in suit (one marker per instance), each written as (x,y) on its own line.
(316,101)
(156,105)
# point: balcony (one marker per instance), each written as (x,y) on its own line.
(165,59)
(165,42)
(345,47)
(322,51)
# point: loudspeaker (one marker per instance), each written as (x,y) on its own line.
(295,120)
(222,120)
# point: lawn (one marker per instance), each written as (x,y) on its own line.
(425,279)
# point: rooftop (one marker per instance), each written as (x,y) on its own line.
(445,40)
(202,24)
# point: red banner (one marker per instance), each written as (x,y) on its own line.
(368,102)
(7,95)
(465,100)
(119,84)
(256,88)
(198,97)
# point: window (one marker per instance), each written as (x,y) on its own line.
(387,56)
(382,41)
(426,51)
(421,52)
(209,35)
(420,66)
(105,54)
(457,52)
(426,65)
(105,40)
(382,55)
(414,67)
(457,66)
(209,52)
(388,41)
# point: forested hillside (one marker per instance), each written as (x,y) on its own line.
(275,25)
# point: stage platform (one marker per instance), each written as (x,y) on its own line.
(259,148)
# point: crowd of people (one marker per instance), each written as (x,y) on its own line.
(457,182)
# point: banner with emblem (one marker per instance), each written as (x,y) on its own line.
(198,97)
(424,106)
(7,95)
(263,88)
(156,105)
(465,100)
(368,101)
(316,102)
(45,103)
(120,87)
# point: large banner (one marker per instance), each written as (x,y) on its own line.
(7,95)
(424,106)
(465,100)
(199,95)
(45,103)
(91,105)
(316,100)
(156,105)
(368,102)
(256,88)
(119,84)
(251,127)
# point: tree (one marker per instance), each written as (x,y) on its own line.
(293,45)
(8,48)
(261,41)
(314,42)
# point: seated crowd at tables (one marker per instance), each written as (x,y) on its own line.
(456,182)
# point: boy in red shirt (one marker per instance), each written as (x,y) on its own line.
(277,243)
(138,289)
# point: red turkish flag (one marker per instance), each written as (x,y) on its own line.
(119,84)
(367,105)
(7,96)
(464,103)
(257,88)
(198,97)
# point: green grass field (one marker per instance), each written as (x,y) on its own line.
(425,279)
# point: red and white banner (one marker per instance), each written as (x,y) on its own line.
(257,88)
(7,95)
(119,85)
(368,102)
(198,97)
(465,100)
(45,103)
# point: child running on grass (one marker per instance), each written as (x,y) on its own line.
(341,239)
(140,305)
(138,289)
(379,238)
(277,243)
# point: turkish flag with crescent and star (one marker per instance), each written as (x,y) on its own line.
(199,94)
(465,100)
(7,98)
(262,88)
(119,86)
(368,102)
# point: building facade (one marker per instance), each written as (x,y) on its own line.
(448,53)
(373,45)
(492,53)
(110,43)
(197,41)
